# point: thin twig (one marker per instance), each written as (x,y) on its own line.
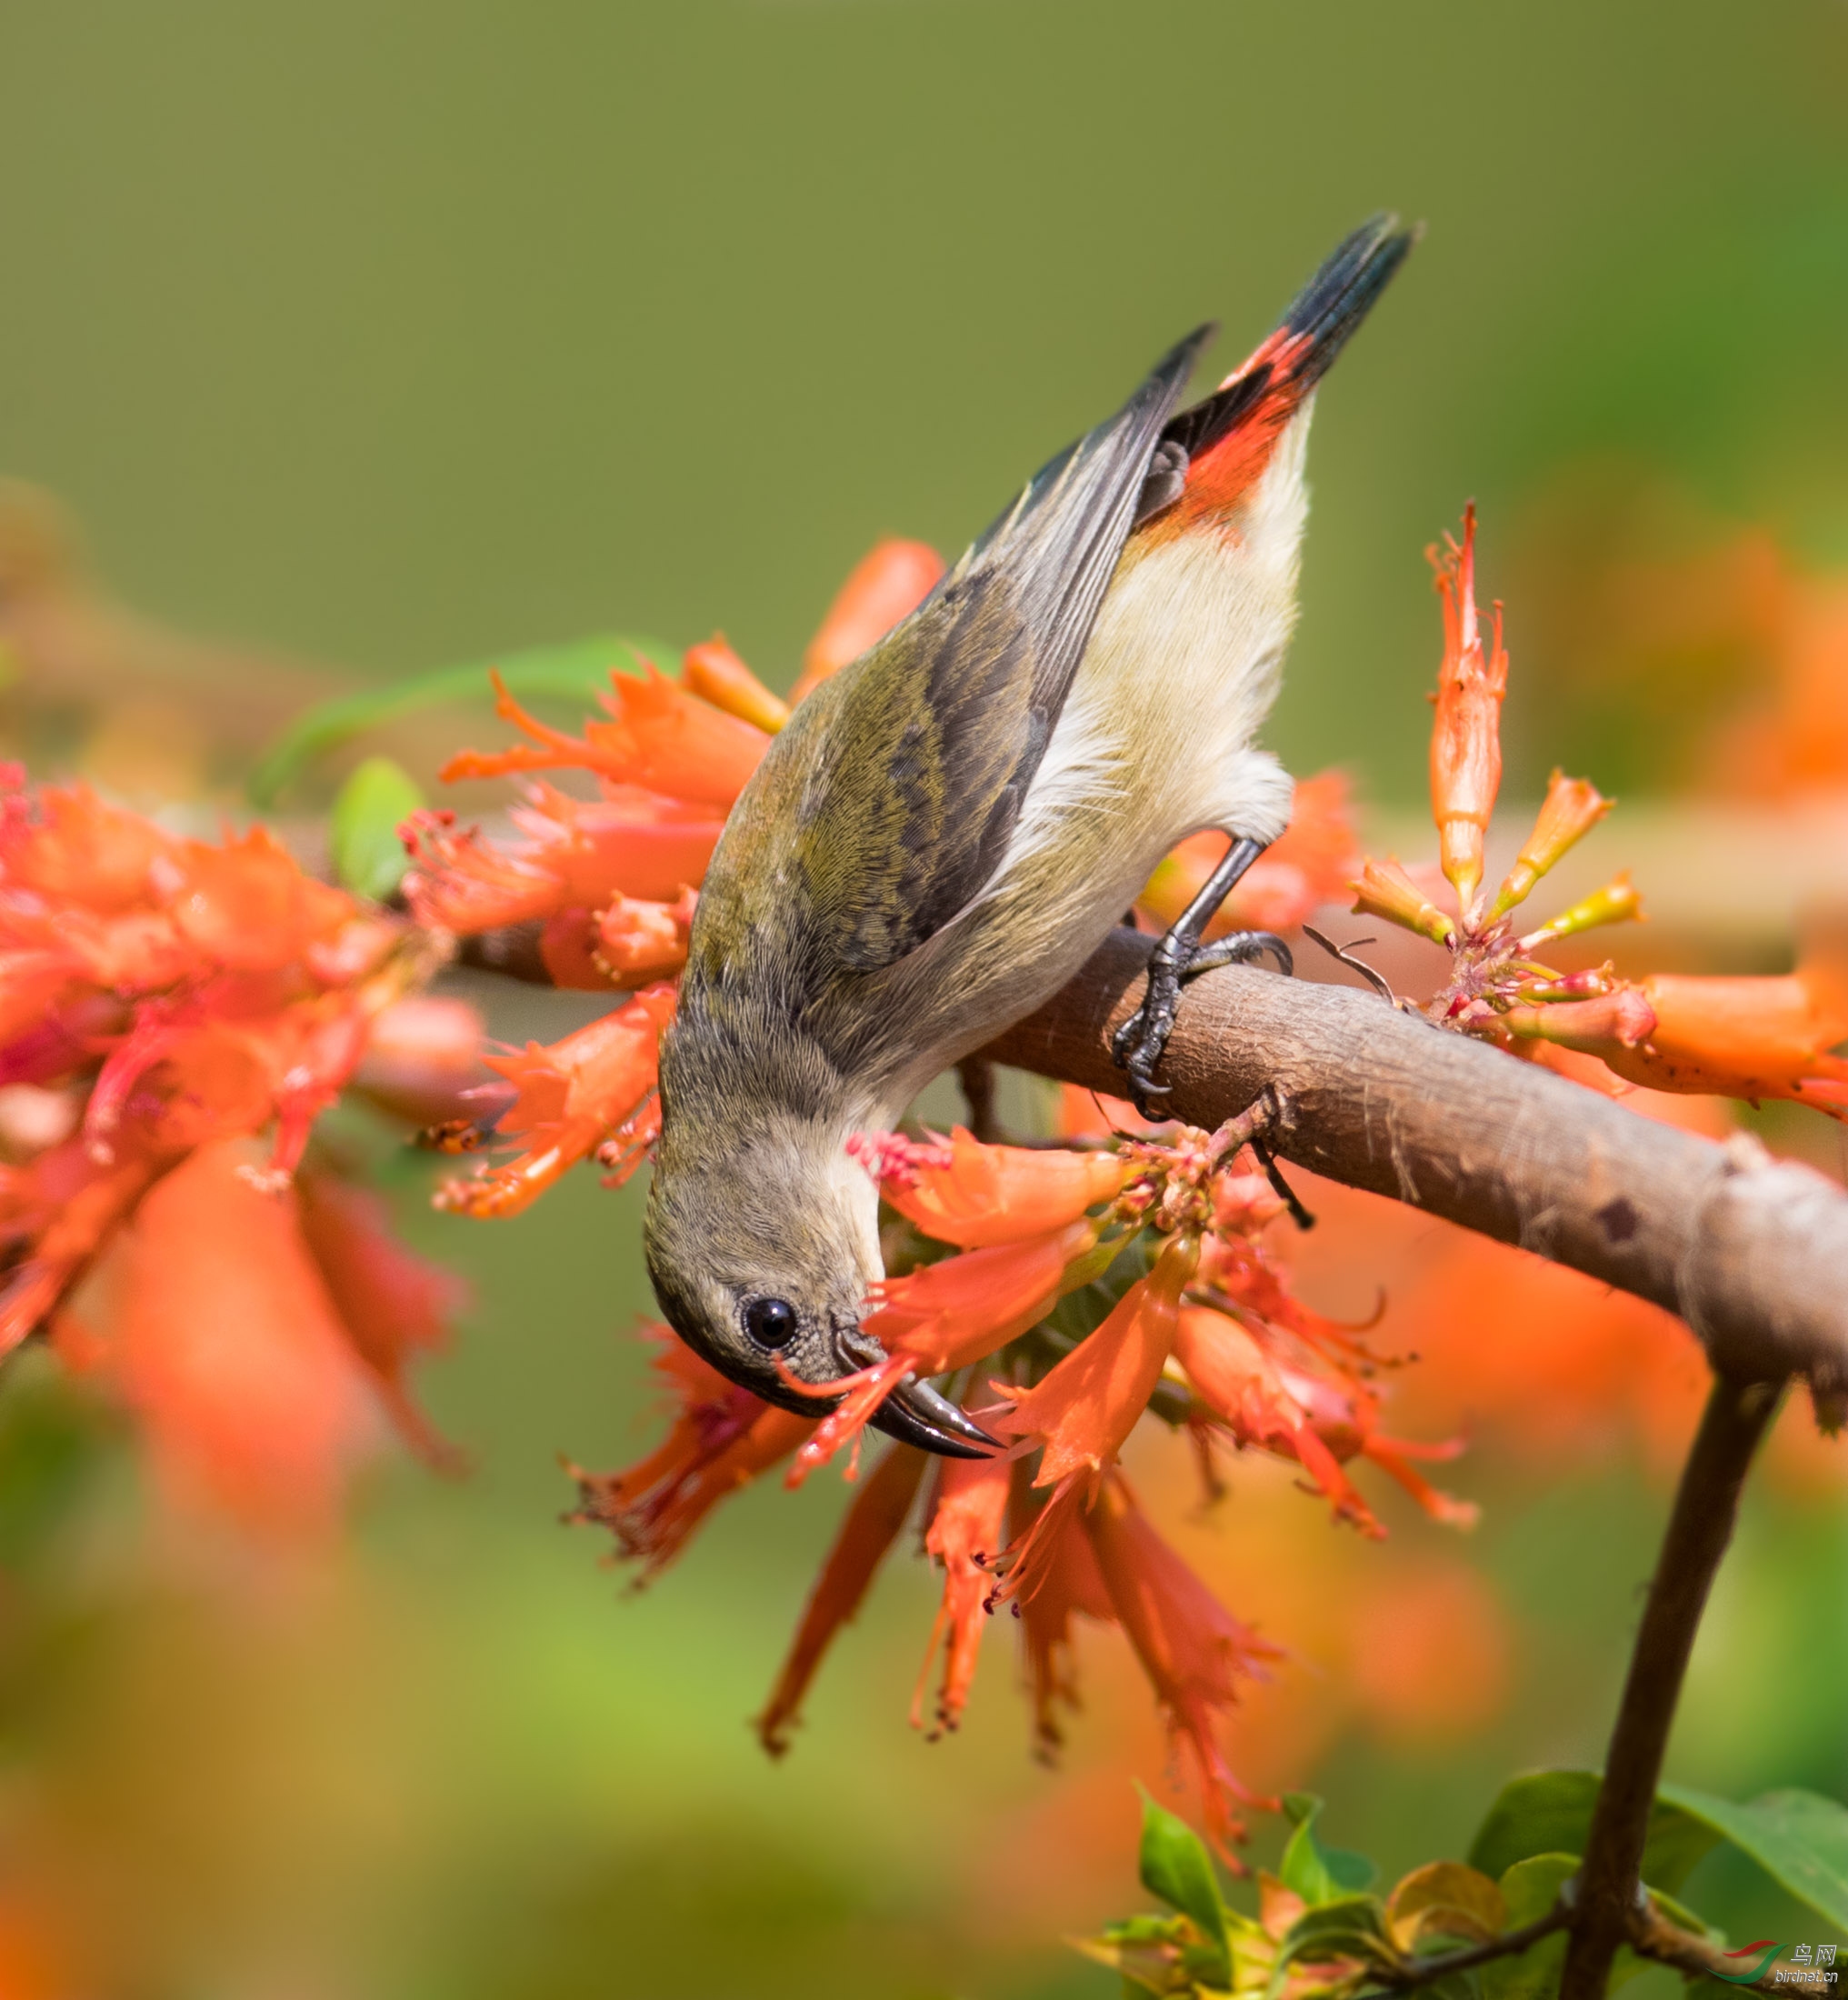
(1425,1972)
(1344,952)
(1706,1505)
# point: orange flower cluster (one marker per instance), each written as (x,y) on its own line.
(1751,1038)
(612,882)
(255,1336)
(1157,1243)
(163,1001)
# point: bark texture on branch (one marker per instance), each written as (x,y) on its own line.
(1751,1252)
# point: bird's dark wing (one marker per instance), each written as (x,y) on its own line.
(932,739)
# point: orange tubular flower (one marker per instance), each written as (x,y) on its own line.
(1466,742)
(1065,1585)
(721,1437)
(55,1214)
(1089,1403)
(1309,865)
(717,675)
(1260,1404)
(577,855)
(871,1526)
(965,1531)
(1194,1651)
(1751,1038)
(394,1306)
(661,737)
(217,1330)
(1571,809)
(945,1315)
(1383,888)
(974,1195)
(887,584)
(422,1057)
(569,1099)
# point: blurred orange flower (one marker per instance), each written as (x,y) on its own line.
(394,1306)
(1307,867)
(1194,1651)
(213,1322)
(887,584)
(183,994)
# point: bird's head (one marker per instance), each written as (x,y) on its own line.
(763,1251)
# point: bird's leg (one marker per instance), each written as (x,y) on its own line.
(1178,957)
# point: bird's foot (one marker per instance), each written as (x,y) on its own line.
(1138,1045)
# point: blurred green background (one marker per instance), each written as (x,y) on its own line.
(390,334)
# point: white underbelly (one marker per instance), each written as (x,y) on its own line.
(1153,744)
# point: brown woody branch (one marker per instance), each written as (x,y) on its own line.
(1751,1252)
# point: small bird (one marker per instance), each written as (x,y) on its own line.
(946,830)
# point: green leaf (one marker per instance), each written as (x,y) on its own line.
(363,833)
(1550,1812)
(1352,1927)
(577,672)
(1799,1838)
(1530,1888)
(1351,1872)
(1319,1874)
(1175,1866)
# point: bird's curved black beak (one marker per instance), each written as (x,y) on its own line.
(916,1413)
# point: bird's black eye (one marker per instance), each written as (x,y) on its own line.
(769,1322)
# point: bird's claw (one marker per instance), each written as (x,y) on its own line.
(1138,1045)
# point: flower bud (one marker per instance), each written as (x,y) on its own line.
(887,584)
(1385,889)
(717,675)
(1466,737)
(1618,1019)
(1574,985)
(1573,806)
(1618,902)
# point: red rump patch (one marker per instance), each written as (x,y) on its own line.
(1222,475)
